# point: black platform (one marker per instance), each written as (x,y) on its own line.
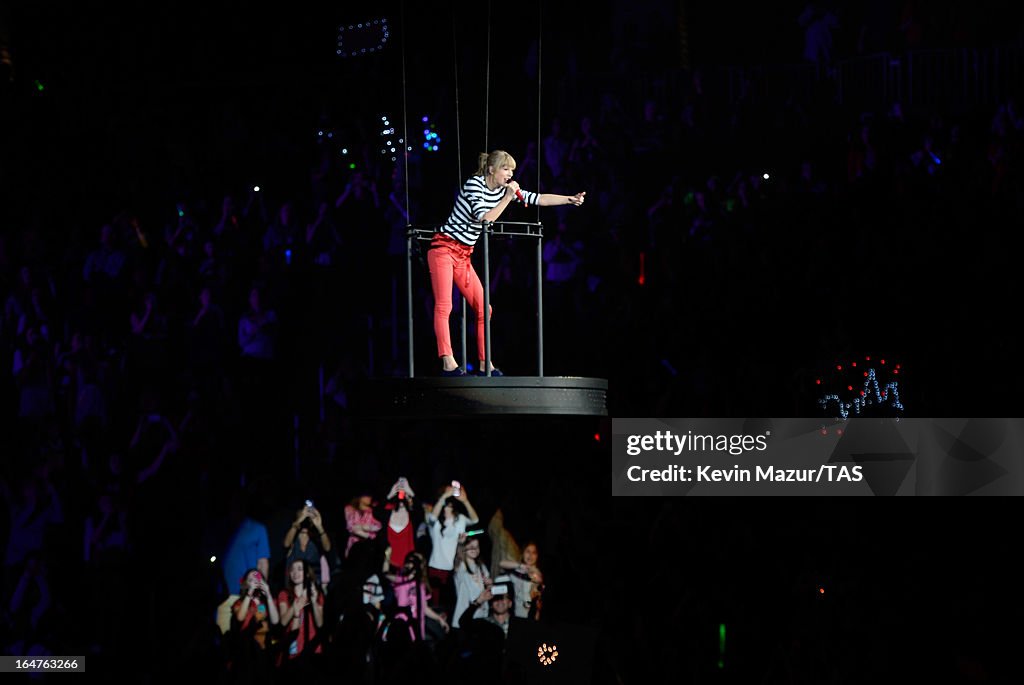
(473,395)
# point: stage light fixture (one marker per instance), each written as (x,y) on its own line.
(362,37)
(547,654)
(872,392)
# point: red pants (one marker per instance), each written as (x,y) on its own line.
(449,263)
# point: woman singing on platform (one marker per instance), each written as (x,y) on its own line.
(483,198)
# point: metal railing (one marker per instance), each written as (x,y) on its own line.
(426,233)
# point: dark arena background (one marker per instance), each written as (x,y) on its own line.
(203,217)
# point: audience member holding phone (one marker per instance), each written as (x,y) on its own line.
(255,612)
(498,599)
(447,522)
(401,526)
(301,608)
(249,642)
(528,582)
(307,540)
(471,578)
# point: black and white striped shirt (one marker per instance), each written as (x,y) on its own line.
(476,199)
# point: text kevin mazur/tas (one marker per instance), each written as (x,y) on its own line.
(825,473)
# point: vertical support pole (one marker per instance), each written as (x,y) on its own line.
(408,294)
(487,298)
(540,301)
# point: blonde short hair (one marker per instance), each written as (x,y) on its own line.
(495,160)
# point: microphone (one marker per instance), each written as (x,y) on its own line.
(522,199)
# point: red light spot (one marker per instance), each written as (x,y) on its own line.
(817,382)
(867,359)
(839,367)
(597,437)
(839,432)
(824,431)
(883,361)
(821,591)
(854,364)
(862,393)
(896,371)
(849,387)
(865,374)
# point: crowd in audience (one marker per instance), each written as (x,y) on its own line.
(378,604)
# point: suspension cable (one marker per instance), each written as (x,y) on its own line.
(487,82)
(540,40)
(458,127)
(405,123)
